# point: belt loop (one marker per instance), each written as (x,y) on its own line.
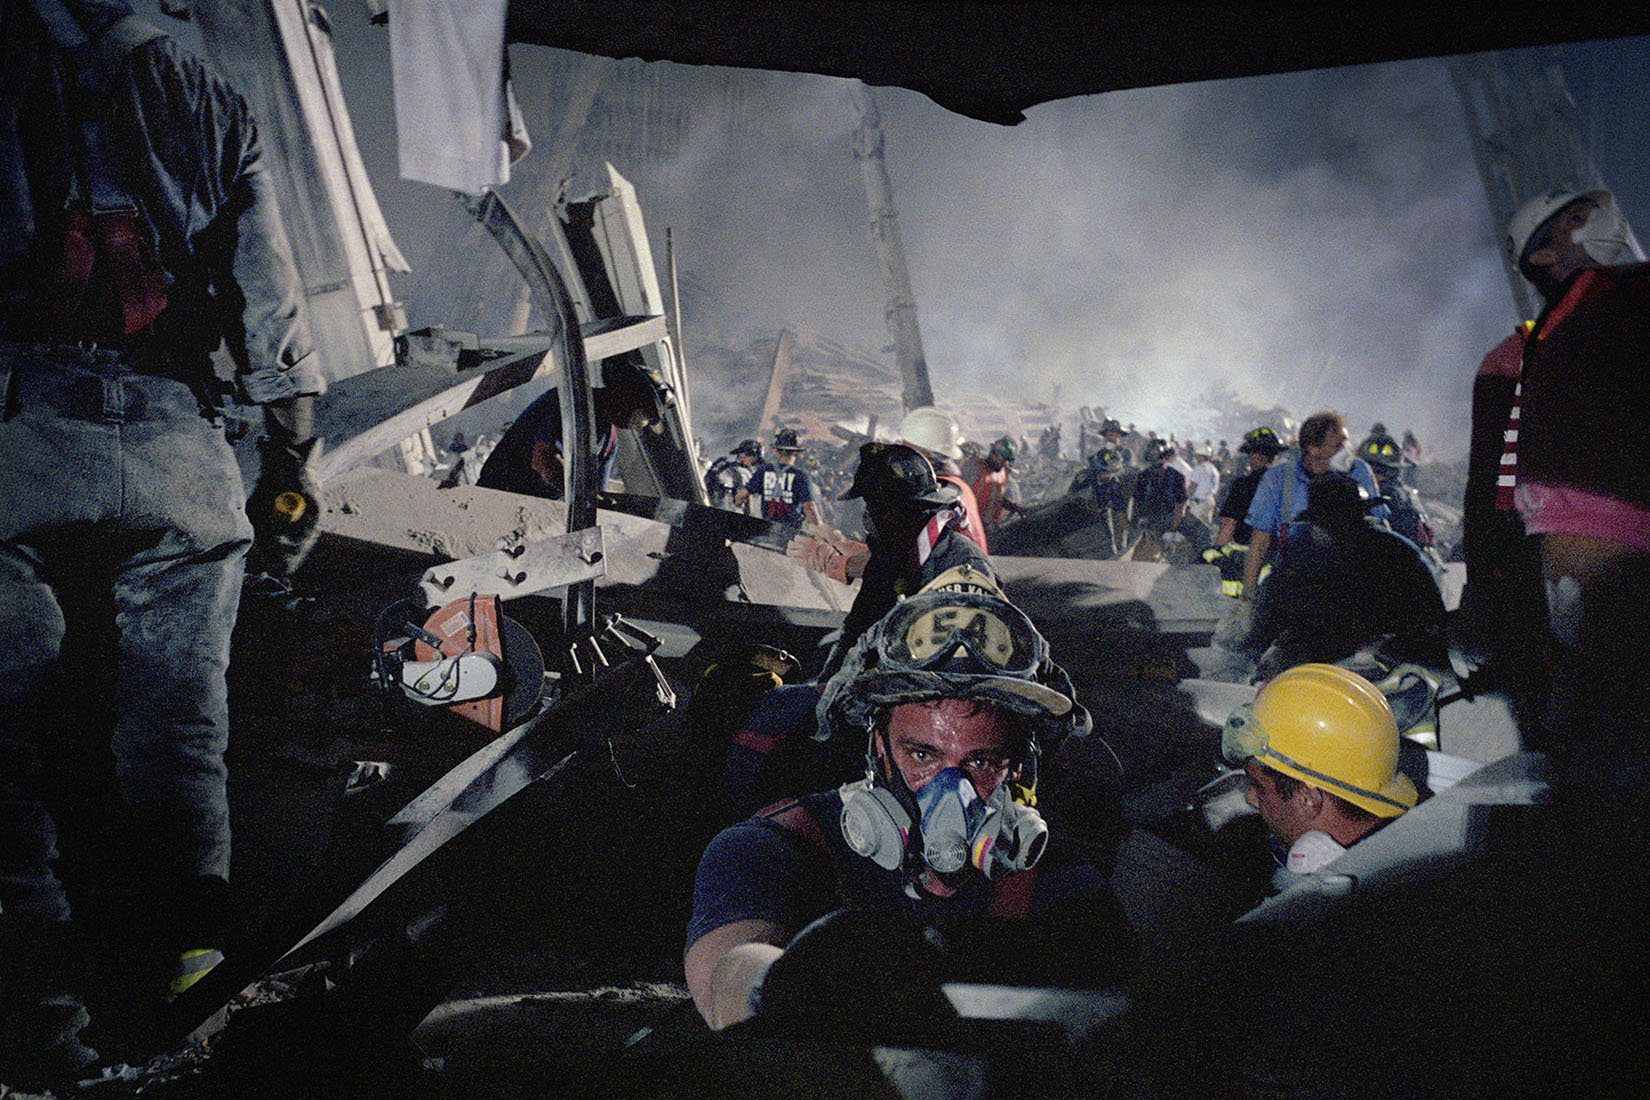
(8,393)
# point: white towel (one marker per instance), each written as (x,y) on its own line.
(457,122)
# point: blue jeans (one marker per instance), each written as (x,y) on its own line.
(117,494)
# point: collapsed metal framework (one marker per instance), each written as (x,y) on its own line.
(901,309)
(578,415)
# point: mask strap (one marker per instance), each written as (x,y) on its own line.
(1023,784)
(887,773)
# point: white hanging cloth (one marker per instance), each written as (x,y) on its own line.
(457,122)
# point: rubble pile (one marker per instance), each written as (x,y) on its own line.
(826,384)
(1044,480)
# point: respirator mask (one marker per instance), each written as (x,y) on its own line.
(958,638)
(1604,236)
(946,827)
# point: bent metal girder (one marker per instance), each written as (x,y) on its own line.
(578,418)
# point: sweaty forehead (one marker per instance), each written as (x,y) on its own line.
(952,724)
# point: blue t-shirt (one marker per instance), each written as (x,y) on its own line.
(783,490)
(1265,508)
(761,870)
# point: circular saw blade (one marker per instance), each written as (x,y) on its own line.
(524,664)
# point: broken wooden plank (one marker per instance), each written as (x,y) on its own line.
(778,376)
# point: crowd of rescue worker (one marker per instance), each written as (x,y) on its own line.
(1186,484)
(1331,572)
(902,842)
(948,704)
(927,845)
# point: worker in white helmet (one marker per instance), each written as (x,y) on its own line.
(1573,460)
(935,433)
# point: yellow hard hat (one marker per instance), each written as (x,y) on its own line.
(1329,728)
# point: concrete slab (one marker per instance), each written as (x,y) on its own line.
(408,512)
(1186,597)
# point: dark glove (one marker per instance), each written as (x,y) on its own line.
(854,971)
(285,506)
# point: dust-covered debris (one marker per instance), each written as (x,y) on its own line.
(435,541)
(662,994)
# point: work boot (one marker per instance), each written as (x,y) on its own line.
(190,967)
(40,1018)
(136,1002)
(202,919)
(156,946)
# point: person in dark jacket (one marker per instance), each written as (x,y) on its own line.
(913,526)
(1578,476)
(1231,542)
(528,458)
(730,473)
(1353,584)
(1101,479)
(1159,501)
(1404,513)
(138,231)
(1262,446)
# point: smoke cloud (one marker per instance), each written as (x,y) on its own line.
(1304,240)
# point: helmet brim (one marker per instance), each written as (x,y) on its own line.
(1392,800)
(1016,695)
(943,496)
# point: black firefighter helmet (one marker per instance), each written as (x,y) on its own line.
(1381,451)
(1262,440)
(896,472)
(1108,461)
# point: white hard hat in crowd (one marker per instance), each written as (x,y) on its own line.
(1534,214)
(933,430)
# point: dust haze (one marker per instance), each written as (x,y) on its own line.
(1304,240)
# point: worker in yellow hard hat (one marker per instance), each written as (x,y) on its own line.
(1320,748)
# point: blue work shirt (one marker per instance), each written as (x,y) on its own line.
(1265,508)
(783,489)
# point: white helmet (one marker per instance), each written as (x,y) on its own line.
(932,430)
(1534,214)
